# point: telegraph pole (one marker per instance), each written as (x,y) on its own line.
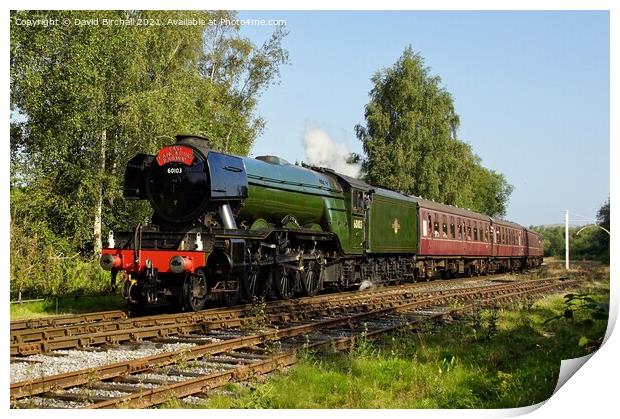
(566,235)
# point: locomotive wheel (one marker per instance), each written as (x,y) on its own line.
(285,281)
(194,294)
(312,277)
(253,284)
(231,298)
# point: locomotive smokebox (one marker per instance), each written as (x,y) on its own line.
(186,180)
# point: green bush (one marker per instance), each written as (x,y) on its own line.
(42,266)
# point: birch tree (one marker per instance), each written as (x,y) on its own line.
(85,98)
(410,141)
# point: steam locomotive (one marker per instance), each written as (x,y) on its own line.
(226,227)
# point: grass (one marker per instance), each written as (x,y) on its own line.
(66,305)
(499,358)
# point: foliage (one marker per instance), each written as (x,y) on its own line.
(591,243)
(484,323)
(583,302)
(257,318)
(43,264)
(86,98)
(601,240)
(410,143)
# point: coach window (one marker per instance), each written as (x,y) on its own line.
(436,227)
(424,225)
(452,228)
(460,227)
(475,231)
(486,233)
(519,238)
(444,227)
(468,230)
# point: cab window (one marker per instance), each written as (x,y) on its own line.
(358,201)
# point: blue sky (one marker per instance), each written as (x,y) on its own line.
(531,88)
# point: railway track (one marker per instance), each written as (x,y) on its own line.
(65,320)
(218,356)
(24,326)
(70,332)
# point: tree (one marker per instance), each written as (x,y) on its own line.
(86,98)
(410,143)
(490,191)
(602,238)
(591,243)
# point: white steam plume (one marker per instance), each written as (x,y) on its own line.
(323,151)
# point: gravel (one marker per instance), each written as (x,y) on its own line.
(45,403)
(73,360)
(94,392)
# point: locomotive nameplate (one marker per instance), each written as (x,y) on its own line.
(175,154)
